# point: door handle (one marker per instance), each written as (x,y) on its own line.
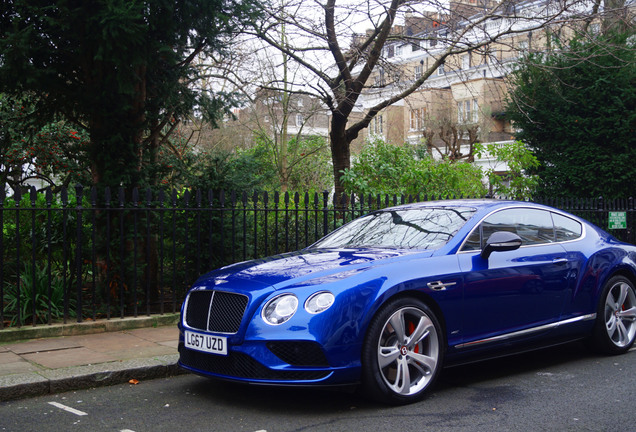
(560,261)
(439,285)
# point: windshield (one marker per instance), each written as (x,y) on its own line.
(415,228)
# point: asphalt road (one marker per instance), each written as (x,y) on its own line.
(559,389)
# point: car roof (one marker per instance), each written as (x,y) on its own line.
(484,203)
(482,207)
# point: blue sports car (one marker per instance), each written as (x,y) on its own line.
(388,299)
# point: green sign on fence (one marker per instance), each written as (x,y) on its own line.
(617,220)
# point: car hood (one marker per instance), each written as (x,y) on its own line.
(302,268)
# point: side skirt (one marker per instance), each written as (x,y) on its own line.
(526,332)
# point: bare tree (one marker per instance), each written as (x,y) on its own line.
(274,108)
(343,48)
(455,136)
(292,128)
(281,116)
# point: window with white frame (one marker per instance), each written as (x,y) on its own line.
(379,80)
(376,126)
(299,119)
(466,61)
(467,111)
(417,119)
(417,73)
(399,50)
(441,70)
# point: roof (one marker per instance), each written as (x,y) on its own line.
(469,202)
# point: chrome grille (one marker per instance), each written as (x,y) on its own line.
(215,311)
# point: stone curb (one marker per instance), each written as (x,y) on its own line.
(86,327)
(83,377)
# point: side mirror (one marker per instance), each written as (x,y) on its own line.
(500,241)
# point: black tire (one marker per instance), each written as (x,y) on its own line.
(402,353)
(615,327)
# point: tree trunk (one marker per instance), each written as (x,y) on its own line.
(340,152)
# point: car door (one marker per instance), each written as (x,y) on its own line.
(514,290)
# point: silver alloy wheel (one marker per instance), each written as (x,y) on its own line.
(620,314)
(408,351)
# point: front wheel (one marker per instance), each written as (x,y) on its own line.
(402,353)
(615,329)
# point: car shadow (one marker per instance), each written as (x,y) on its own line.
(299,401)
(515,364)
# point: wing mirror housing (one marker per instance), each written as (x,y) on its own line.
(501,241)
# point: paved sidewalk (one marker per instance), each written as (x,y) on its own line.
(96,356)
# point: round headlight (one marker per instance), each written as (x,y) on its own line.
(319,302)
(280,309)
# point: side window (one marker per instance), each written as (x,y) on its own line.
(534,226)
(473,242)
(566,228)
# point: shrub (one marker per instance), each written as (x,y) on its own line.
(34,295)
(383,168)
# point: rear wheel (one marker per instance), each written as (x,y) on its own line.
(615,329)
(403,352)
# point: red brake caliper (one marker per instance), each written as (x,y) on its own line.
(411,326)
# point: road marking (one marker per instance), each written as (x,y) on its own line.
(67,408)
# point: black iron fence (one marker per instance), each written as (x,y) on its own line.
(86,254)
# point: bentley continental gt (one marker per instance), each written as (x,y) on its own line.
(387,300)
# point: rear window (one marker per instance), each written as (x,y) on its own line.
(566,228)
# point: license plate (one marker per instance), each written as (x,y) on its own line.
(206,343)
